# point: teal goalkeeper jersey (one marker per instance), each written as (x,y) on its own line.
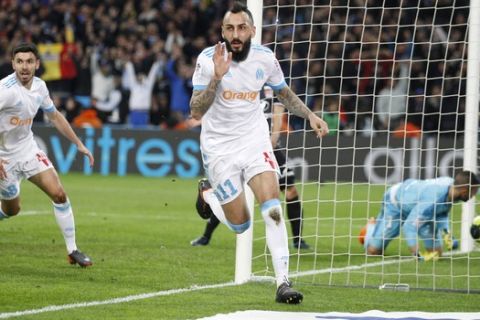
(424,200)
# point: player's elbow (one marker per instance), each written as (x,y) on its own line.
(196,114)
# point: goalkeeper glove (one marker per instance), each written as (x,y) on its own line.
(428,256)
(447,239)
(450,242)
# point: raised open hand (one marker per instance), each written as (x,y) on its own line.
(221,64)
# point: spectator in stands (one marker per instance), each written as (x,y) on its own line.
(70,108)
(102,78)
(179,73)
(432,110)
(5,64)
(174,38)
(391,102)
(109,110)
(416,107)
(353,47)
(68,67)
(141,87)
(329,113)
(83,82)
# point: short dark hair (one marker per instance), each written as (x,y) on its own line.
(26,47)
(241,7)
(467,178)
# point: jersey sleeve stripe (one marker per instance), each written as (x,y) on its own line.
(10,82)
(49,109)
(279,86)
(208,52)
(199,87)
(258,47)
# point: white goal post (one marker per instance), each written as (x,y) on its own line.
(244,246)
(355,62)
(471,119)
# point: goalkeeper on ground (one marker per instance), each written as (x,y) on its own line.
(420,208)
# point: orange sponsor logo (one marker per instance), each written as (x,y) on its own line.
(247,95)
(16,121)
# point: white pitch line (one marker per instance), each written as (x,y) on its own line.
(142,296)
(34,212)
(8,315)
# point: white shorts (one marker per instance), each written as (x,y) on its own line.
(36,162)
(228,173)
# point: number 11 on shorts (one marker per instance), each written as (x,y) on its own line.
(225,190)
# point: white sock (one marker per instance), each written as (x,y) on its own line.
(64,216)
(277,238)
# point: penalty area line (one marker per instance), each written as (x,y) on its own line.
(136,297)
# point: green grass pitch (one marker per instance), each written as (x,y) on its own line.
(137,231)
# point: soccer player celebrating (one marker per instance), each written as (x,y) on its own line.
(273,111)
(21,95)
(421,209)
(235,140)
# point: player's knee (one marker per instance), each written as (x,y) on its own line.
(240,228)
(12,211)
(11,207)
(59,197)
(272,211)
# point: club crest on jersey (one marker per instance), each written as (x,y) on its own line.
(247,95)
(260,74)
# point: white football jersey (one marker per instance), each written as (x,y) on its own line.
(18,107)
(236,118)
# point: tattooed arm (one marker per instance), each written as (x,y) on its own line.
(293,103)
(202,100)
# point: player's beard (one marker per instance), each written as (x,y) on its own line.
(239,56)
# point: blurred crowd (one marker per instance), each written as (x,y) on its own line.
(365,65)
(123,62)
(374,65)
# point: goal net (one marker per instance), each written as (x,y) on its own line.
(390,78)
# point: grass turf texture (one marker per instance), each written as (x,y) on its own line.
(137,231)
